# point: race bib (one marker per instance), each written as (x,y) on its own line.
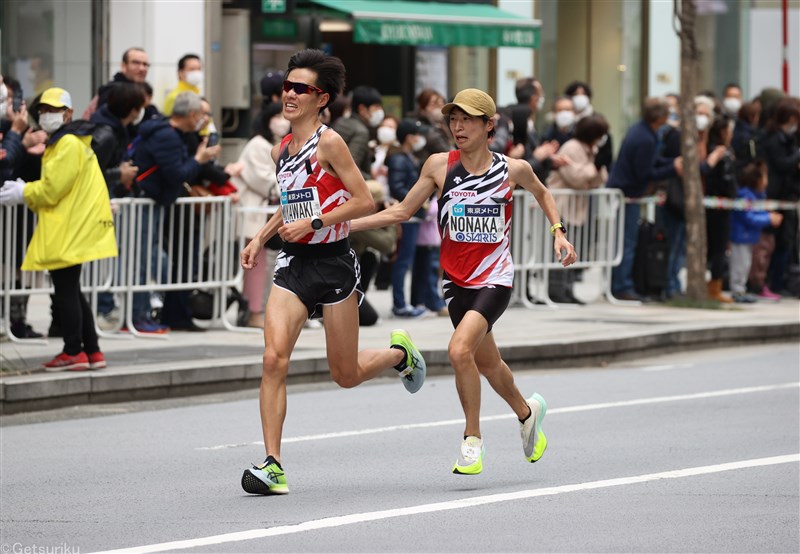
(477,223)
(300,204)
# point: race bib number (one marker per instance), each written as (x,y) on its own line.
(300,204)
(476,223)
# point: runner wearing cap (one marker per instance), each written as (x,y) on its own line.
(316,272)
(475,188)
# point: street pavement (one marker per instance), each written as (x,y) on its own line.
(694,451)
(186,363)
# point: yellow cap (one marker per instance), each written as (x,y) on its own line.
(473,102)
(56,97)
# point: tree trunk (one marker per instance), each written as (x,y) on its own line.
(695,212)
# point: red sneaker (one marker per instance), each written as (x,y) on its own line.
(65,362)
(97,360)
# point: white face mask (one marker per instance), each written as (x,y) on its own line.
(419,144)
(565,119)
(200,124)
(279,127)
(673,119)
(50,122)
(791,129)
(387,135)
(580,101)
(602,142)
(701,121)
(376,117)
(139,117)
(732,105)
(540,103)
(3,92)
(194,78)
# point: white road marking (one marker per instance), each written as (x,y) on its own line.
(352,519)
(666,367)
(553,411)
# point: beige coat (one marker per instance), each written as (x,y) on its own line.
(579,174)
(258,184)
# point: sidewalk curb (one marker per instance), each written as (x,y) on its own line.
(47,391)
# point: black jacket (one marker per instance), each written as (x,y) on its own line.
(783,161)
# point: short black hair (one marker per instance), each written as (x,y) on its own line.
(365,96)
(591,128)
(721,123)
(329,69)
(124,97)
(572,88)
(525,89)
(186,58)
(261,125)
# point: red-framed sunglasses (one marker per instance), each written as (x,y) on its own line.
(301,88)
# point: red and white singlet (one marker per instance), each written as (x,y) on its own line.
(307,190)
(475,220)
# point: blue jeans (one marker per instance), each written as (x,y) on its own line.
(425,279)
(622,276)
(676,234)
(403,262)
(141,300)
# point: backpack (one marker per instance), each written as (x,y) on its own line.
(104,142)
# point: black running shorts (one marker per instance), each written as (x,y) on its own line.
(488,301)
(319,274)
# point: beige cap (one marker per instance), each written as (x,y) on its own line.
(473,102)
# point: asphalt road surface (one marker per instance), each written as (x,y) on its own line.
(692,452)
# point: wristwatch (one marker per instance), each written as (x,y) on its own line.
(558,225)
(316,223)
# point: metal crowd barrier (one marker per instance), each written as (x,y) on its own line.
(598,239)
(185,246)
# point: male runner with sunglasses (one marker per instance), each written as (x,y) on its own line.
(316,273)
(475,188)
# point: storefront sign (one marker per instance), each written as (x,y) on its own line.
(440,34)
(273,6)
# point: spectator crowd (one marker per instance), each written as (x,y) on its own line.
(747,149)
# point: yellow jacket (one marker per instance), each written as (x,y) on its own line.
(71,199)
(170,101)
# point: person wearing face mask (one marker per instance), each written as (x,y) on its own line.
(404,170)
(124,106)
(781,151)
(564,119)
(190,79)
(387,137)
(75,226)
(258,188)
(357,128)
(164,166)
(579,174)
(429,114)
(732,99)
(581,94)
(22,148)
(720,181)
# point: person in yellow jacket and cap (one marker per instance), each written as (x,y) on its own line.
(75,225)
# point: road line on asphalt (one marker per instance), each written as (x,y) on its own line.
(667,367)
(551,411)
(470,502)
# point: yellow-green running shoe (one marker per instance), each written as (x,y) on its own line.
(268,478)
(413,374)
(470,461)
(534,443)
